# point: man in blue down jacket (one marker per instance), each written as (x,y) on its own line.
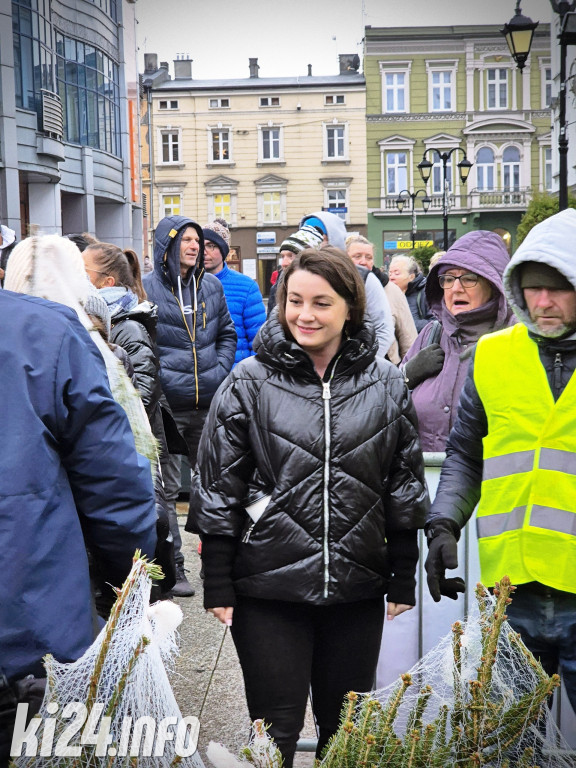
(242,293)
(196,342)
(70,478)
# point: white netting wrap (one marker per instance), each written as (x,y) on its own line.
(477,699)
(260,751)
(122,675)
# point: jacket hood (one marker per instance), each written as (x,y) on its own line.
(145,313)
(484,253)
(167,247)
(272,347)
(335,227)
(551,242)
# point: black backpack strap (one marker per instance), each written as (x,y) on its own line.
(435,333)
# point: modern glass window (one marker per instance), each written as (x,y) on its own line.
(336,198)
(271,143)
(438,174)
(220,146)
(497,81)
(396,172)
(88,85)
(171,205)
(511,168)
(33,59)
(547,168)
(485,169)
(336,141)
(108,6)
(395,91)
(271,207)
(170,146)
(269,101)
(441,88)
(172,104)
(222,206)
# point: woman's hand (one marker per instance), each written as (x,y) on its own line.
(224,614)
(392,610)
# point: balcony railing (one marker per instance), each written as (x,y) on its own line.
(474,200)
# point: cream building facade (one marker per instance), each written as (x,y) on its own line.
(259,152)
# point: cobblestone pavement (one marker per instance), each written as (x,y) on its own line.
(207,680)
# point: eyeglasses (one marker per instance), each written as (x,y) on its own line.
(211,247)
(468,280)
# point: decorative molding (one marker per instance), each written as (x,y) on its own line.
(416,117)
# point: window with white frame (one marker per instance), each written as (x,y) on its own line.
(219,103)
(330,99)
(269,101)
(395,92)
(171,205)
(271,200)
(335,141)
(335,199)
(171,104)
(485,169)
(441,91)
(547,158)
(220,145)
(223,206)
(170,146)
(396,170)
(222,199)
(437,176)
(271,211)
(270,145)
(511,169)
(547,87)
(497,88)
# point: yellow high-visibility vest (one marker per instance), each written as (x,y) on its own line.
(527,513)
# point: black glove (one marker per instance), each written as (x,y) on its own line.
(428,362)
(442,554)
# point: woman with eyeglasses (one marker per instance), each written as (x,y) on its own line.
(466,296)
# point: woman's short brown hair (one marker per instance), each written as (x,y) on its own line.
(339,271)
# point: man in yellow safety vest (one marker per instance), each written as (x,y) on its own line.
(512,451)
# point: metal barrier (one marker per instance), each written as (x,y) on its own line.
(414,633)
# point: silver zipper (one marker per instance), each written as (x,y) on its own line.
(246,537)
(326,501)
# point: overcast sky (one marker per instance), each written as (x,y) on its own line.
(287,35)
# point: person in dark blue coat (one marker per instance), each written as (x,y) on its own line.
(70,479)
(196,342)
(242,293)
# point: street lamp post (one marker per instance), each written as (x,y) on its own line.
(401,201)
(519,33)
(425,167)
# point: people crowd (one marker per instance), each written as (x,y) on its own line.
(302,425)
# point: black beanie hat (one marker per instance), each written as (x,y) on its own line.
(536,274)
(217,232)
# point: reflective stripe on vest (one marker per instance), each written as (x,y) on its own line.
(527,513)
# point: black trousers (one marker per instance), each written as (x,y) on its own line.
(286,649)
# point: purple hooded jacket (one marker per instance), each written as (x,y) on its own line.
(436,398)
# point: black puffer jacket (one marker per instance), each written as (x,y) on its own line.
(416,298)
(135,331)
(341,460)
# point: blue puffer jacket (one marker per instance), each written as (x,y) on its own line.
(70,478)
(195,356)
(246,307)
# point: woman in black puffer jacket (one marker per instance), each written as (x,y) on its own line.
(323,437)
(116,274)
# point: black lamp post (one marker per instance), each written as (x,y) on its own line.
(519,33)
(406,195)
(425,168)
